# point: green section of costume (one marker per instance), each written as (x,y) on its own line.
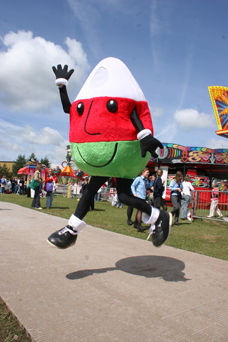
(111,159)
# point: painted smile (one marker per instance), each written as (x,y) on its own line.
(114,153)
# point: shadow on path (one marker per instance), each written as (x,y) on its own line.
(149,266)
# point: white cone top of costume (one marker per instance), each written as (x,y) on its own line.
(111,78)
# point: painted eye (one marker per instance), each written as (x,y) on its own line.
(112,106)
(80,108)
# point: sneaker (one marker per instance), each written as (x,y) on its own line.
(209,216)
(221,216)
(162,228)
(63,238)
(189,216)
(39,208)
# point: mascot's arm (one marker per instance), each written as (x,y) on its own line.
(147,141)
(62,77)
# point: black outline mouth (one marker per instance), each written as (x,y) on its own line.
(114,153)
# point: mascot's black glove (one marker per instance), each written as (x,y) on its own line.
(62,75)
(148,143)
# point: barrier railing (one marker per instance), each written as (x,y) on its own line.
(203,207)
(106,193)
(61,189)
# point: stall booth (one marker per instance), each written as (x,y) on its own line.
(203,165)
(28,171)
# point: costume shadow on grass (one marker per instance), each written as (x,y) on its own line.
(148,266)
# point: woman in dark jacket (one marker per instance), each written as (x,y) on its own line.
(176,187)
(158,189)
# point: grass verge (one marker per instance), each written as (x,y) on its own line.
(10,329)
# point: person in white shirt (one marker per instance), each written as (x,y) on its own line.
(186,198)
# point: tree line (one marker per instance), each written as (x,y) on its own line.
(20,162)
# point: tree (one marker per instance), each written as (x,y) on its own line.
(18,164)
(45,161)
(5,171)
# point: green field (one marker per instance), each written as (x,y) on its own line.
(201,236)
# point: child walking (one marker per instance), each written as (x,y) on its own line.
(214,201)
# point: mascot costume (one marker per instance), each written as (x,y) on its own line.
(111,135)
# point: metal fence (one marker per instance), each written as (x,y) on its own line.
(61,189)
(106,193)
(202,206)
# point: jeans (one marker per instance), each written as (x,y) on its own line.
(2,190)
(20,191)
(50,196)
(97,197)
(119,204)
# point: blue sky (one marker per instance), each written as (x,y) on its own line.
(175,49)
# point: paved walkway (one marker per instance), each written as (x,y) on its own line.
(108,287)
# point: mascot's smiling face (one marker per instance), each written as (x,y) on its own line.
(102,137)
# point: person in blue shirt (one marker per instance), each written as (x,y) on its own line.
(139,189)
(176,187)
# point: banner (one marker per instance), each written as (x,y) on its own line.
(173,154)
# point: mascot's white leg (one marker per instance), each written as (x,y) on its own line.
(76,224)
(67,236)
(151,220)
(160,225)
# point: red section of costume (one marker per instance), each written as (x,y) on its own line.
(98,124)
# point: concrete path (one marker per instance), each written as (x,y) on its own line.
(108,287)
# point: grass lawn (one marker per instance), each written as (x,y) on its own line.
(201,236)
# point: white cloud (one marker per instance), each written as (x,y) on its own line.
(26,140)
(27,79)
(47,136)
(191,118)
(8,145)
(156,111)
(218,143)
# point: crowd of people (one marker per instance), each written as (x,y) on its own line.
(12,185)
(147,186)
(151,187)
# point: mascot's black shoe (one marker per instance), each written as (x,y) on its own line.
(162,228)
(63,238)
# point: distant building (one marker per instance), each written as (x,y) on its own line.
(9,164)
